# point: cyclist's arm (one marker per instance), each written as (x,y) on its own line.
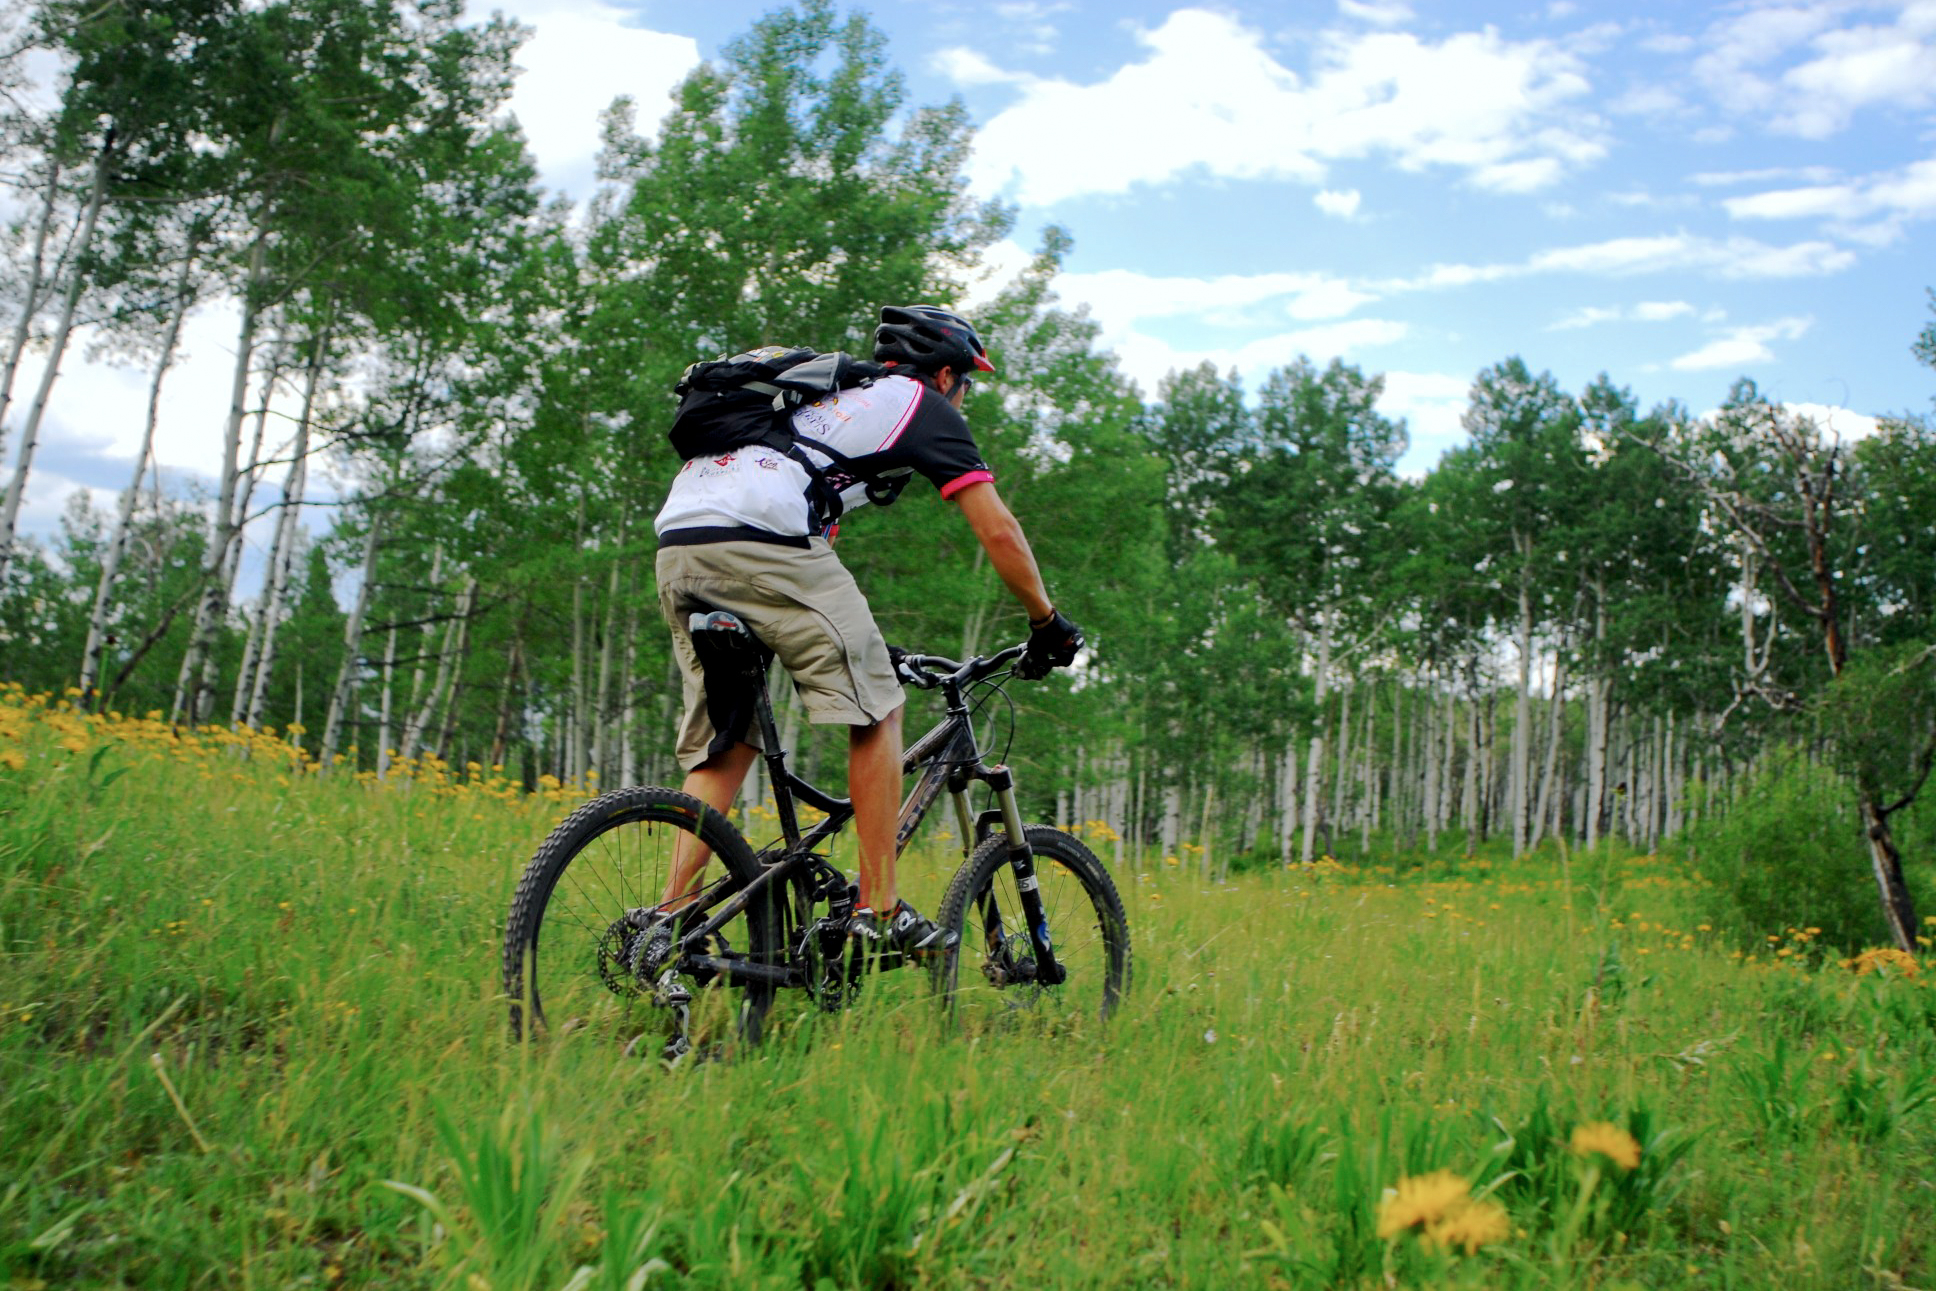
(1001,536)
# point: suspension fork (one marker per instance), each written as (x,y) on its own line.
(1021,859)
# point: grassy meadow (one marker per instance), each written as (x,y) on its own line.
(251,1036)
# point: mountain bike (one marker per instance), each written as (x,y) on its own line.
(1040,927)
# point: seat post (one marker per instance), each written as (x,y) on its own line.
(775,755)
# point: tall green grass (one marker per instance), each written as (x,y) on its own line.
(252,1038)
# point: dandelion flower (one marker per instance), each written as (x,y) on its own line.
(1609,1141)
(1899,962)
(1471,1227)
(1420,1200)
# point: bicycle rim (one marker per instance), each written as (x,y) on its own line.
(571,948)
(991,977)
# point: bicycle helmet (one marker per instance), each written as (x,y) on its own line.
(928,338)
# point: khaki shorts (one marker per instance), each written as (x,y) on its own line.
(804,605)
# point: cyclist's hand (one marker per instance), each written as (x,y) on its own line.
(903,672)
(1052,643)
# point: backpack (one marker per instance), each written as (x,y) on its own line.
(750,398)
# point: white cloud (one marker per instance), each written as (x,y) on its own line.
(1379,13)
(1147,359)
(1886,200)
(1743,346)
(1123,296)
(1344,204)
(581,57)
(1792,203)
(1805,71)
(1432,405)
(1836,420)
(971,67)
(1647,311)
(1029,25)
(1767,175)
(1843,423)
(1661,253)
(1648,101)
(1208,95)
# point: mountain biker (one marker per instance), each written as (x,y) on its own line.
(740,532)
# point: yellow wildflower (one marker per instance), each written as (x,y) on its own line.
(1471,1227)
(1608,1140)
(1899,962)
(1420,1200)
(13,759)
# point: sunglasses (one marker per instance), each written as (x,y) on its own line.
(963,384)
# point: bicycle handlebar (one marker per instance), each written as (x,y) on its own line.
(919,669)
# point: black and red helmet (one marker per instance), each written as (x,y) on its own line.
(928,338)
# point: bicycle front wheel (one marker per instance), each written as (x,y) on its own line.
(571,942)
(992,970)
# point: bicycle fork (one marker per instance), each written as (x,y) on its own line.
(1021,859)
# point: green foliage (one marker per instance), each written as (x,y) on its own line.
(1879,718)
(1788,853)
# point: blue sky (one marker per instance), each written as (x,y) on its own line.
(1675,195)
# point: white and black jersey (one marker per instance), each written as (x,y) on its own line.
(895,425)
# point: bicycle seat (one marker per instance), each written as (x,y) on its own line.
(734,663)
(718,621)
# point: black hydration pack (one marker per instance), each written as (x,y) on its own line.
(749,399)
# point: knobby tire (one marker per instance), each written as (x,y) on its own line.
(609,856)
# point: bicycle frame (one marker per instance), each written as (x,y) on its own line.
(952,760)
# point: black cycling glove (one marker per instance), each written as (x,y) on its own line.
(1052,643)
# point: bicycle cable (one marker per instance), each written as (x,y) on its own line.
(990,687)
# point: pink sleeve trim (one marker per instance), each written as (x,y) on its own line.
(955,486)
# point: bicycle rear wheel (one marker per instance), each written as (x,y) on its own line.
(991,972)
(571,940)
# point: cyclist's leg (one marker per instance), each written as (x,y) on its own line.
(874,784)
(712,777)
(716,783)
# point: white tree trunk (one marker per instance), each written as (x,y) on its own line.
(447,728)
(214,597)
(339,698)
(1521,793)
(603,746)
(1449,759)
(63,329)
(628,764)
(576,746)
(1428,737)
(1314,764)
(1548,788)
(97,623)
(383,745)
(422,723)
(282,555)
(30,301)
(1596,723)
